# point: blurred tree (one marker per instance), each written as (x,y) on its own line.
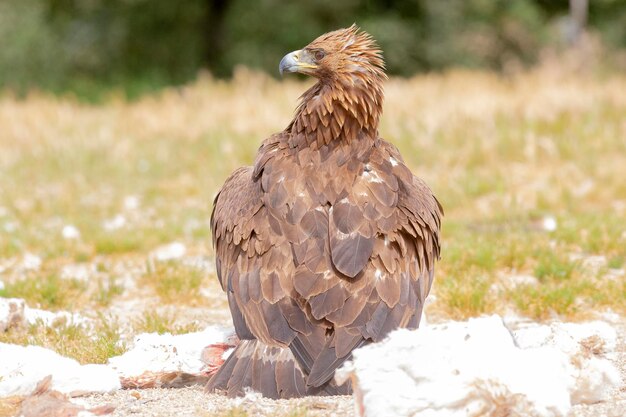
(214,28)
(609,16)
(579,10)
(30,49)
(141,44)
(153,38)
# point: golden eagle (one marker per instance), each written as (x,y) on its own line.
(328,242)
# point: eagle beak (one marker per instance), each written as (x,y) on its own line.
(296,61)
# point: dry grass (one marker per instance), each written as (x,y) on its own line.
(174,283)
(500,153)
(153,322)
(10,406)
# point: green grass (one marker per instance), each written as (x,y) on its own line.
(467,295)
(47,292)
(174,282)
(616,262)
(553,266)
(107,290)
(540,302)
(477,254)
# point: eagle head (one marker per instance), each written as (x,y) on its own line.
(342,55)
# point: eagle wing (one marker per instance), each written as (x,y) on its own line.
(383,239)
(234,206)
(321,261)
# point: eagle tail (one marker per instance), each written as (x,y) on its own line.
(272,371)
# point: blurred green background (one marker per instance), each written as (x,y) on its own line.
(89,46)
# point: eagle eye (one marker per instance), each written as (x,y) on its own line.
(319,54)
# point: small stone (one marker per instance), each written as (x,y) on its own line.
(594,263)
(81,272)
(131,202)
(514,281)
(175,250)
(70,232)
(31,262)
(549,224)
(11,313)
(114,223)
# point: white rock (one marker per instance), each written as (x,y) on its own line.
(22,367)
(31,262)
(593,376)
(472,368)
(114,223)
(175,250)
(549,224)
(564,336)
(131,202)
(594,379)
(165,353)
(609,316)
(615,274)
(594,263)
(202,263)
(15,312)
(70,232)
(48,318)
(80,272)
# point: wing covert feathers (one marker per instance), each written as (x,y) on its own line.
(319,253)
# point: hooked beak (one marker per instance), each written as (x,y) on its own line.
(297,61)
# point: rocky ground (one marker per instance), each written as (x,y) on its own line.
(193,401)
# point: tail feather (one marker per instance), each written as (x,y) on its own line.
(264,373)
(290,381)
(242,376)
(272,371)
(328,360)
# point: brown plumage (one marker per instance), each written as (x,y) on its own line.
(328,242)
